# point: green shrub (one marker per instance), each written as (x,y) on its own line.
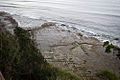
(109,47)
(21,60)
(8,53)
(105,74)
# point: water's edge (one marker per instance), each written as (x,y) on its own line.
(26,22)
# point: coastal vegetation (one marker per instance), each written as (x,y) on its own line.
(64,55)
(21,60)
(107,75)
(109,47)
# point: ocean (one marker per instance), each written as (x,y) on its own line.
(97,18)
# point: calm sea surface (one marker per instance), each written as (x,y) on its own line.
(100,18)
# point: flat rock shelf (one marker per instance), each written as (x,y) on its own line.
(74,52)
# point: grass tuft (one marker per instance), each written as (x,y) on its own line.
(105,74)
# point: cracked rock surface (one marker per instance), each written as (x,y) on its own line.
(74,52)
(78,54)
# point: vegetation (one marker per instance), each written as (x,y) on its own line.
(107,75)
(64,75)
(21,60)
(110,47)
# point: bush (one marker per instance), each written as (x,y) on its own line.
(109,47)
(107,75)
(21,60)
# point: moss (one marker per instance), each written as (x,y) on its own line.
(105,74)
(75,44)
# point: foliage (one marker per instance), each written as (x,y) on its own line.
(110,47)
(21,60)
(105,74)
(7,53)
(64,75)
(106,43)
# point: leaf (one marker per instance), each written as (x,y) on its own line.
(106,43)
(108,49)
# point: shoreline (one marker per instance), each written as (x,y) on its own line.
(69,50)
(27,22)
(72,51)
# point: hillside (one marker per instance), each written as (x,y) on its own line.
(19,57)
(49,52)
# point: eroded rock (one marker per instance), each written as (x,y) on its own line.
(7,22)
(74,52)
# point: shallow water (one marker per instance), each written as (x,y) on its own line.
(100,18)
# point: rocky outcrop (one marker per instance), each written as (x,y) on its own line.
(74,52)
(19,57)
(7,22)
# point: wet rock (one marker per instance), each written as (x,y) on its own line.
(47,24)
(63,25)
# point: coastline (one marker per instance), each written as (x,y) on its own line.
(72,51)
(28,23)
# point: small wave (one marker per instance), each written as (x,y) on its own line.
(9,6)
